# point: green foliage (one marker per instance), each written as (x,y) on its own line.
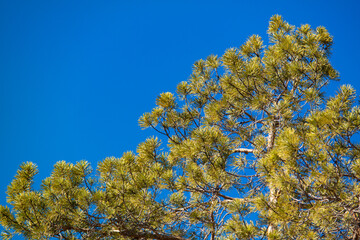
(255,150)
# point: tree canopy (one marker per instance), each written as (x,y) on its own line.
(249,147)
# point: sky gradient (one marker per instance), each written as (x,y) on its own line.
(75,76)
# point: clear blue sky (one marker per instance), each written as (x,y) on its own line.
(75,76)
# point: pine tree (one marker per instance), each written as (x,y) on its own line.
(255,150)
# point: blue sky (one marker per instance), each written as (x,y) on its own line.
(75,76)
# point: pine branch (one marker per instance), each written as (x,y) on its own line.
(136,234)
(243,150)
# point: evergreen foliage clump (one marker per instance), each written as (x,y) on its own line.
(254,150)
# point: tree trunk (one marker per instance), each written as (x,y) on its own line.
(272,190)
